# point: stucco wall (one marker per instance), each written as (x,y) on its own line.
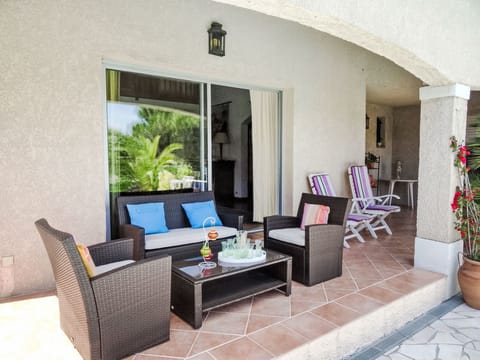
(438,49)
(53,116)
(406,141)
(375,111)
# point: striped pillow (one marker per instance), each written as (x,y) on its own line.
(314,214)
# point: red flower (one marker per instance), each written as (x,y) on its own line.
(455,200)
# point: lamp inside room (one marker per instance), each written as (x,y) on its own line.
(221,138)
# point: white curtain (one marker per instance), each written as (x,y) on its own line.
(265,153)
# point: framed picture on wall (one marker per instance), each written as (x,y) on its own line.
(220,114)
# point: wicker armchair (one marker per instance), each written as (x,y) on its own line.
(317,257)
(116,313)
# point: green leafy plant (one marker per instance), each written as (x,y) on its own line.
(465,208)
(155,153)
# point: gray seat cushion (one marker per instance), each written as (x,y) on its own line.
(183,236)
(295,236)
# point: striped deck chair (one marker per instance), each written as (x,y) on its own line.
(321,185)
(364,200)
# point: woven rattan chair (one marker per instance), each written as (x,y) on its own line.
(317,252)
(116,313)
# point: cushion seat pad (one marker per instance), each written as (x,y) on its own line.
(383,208)
(295,236)
(184,236)
(100,269)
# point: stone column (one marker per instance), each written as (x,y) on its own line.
(443,114)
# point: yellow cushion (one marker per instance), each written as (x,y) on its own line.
(87,259)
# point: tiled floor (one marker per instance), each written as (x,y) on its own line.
(375,273)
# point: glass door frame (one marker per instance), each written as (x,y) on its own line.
(205,93)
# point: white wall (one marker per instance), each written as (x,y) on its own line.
(436,40)
(374,111)
(406,147)
(53,109)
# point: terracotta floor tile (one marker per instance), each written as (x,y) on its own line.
(202,356)
(398,284)
(257,322)
(313,293)
(225,323)
(333,294)
(357,259)
(242,349)
(386,264)
(274,306)
(366,273)
(341,283)
(179,344)
(381,294)
(421,277)
(336,313)
(278,339)
(309,325)
(299,306)
(359,303)
(176,323)
(205,341)
(363,283)
(150,357)
(243,307)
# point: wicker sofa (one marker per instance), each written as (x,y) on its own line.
(181,241)
(317,252)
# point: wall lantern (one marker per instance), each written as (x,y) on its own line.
(216,39)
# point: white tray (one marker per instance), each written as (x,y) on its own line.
(231,260)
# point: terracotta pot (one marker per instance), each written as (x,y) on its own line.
(469,281)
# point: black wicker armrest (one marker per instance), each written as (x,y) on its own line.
(323,235)
(231,217)
(131,299)
(111,251)
(279,222)
(137,233)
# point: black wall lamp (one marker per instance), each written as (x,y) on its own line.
(216,39)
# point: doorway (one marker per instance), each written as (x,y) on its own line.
(231,148)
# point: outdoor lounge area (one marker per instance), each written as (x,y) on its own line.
(378,292)
(238,101)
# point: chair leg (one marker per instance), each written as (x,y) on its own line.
(381,220)
(354,233)
(370,230)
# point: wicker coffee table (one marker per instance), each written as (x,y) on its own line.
(195,291)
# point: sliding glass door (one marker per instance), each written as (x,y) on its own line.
(166,134)
(156,134)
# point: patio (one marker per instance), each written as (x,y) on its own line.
(378,292)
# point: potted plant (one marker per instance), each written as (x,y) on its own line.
(467,222)
(370,160)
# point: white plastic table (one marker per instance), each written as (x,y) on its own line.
(409,182)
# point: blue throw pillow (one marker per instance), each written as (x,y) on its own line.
(197,212)
(150,216)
